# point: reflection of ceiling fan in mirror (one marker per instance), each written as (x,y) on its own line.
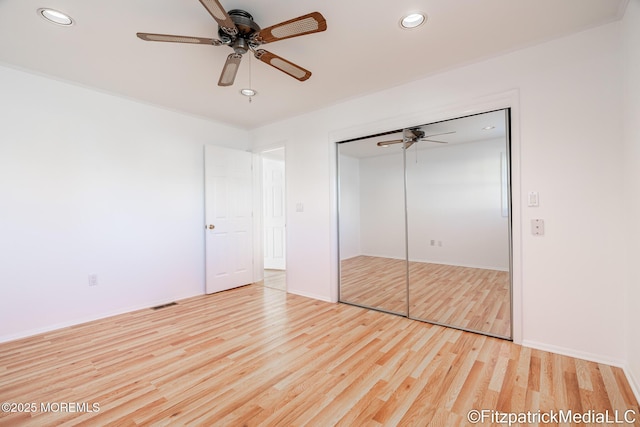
(413,135)
(238,31)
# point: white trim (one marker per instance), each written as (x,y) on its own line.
(428,261)
(311,295)
(591,357)
(509,99)
(334,251)
(82,320)
(258,231)
(634,382)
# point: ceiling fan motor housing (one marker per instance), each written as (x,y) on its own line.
(240,43)
(244,22)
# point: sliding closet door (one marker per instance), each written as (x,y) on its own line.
(424,223)
(458,224)
(373,267)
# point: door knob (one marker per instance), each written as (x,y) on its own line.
(211,226)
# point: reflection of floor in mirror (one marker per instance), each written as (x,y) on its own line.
(471,298)
(275,279)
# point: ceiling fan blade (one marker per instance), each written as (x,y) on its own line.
(230,69)
(307,24)
(436,134)
(177,39)
(221,16)
(387,143)
(283,65)
(433,140)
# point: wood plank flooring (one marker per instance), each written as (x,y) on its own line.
(471,298)
(275,279)
(261,357)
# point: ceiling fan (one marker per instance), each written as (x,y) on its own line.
(237,30)
(413,135)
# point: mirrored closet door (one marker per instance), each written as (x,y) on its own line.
(373,245)
(424,225)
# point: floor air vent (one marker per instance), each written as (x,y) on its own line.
(164,305)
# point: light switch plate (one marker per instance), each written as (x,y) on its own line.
(533,200)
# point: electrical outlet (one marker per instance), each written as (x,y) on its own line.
(93,279)
(537,227)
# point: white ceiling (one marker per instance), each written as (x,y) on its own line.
(363,50)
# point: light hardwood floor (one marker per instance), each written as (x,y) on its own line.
(275,279)
(470,298)
(259,356)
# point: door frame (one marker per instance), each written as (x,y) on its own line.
(258,220)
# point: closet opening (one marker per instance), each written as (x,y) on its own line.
(424,223)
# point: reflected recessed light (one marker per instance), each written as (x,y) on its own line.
(488,127)
(413,20)
(55,17)
(248,92)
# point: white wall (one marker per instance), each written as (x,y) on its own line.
(631,152)
(92,183)
(568,138)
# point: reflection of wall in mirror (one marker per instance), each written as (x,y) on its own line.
(454,197)
(349,207)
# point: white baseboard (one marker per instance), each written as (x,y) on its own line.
(597,358)
(310,295)
(592,357)
(427,261)
(78,321)
(633,381)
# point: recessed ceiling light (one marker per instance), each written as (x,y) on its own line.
(248,92)
(55,17)
(413,20)
(488,127)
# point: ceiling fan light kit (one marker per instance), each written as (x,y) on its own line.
(238,30)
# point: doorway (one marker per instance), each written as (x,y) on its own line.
(274,218)
(425,223)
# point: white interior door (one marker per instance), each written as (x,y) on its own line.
(229,218)
(274,214)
